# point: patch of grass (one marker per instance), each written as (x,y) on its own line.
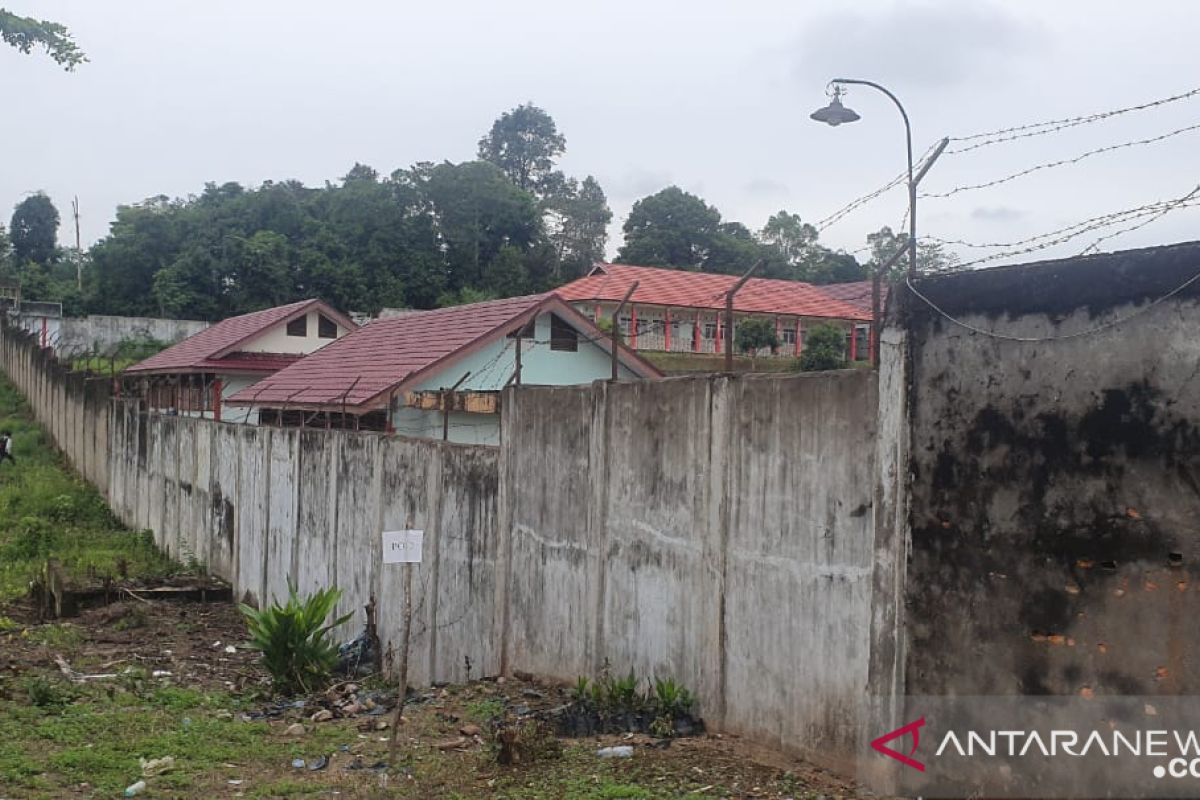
(62,638)
(46,511)
(486,710)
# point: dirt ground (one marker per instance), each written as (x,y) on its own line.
(147,679)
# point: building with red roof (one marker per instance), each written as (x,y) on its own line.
(683,312)
(438,374)
(198,374)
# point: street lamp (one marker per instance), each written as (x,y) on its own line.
(836,114)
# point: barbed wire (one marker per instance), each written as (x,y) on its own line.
(858,202)
(1168,208)
(1061,162)
(1055,125)
(1155,211)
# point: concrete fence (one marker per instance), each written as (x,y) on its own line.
(716,530)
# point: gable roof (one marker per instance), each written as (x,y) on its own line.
(680,288)
(215,347)
(385,355)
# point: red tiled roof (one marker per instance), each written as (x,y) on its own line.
(671,287)
(200,352)
(251,362)
(857,294)
(385,353)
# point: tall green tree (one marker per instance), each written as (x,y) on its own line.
(524,143)
(670,228)
(26,33)
(34,230)
(577,221)
(931,256)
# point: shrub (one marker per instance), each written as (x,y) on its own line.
(294,638)
(752,335)
(672,699)
(824,348)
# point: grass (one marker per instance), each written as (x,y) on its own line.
(46,510)
(95,735)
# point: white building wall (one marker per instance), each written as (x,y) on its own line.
(276,339)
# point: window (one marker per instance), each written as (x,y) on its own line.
(562,336)
(298,326)
(626,325)
(788,336)
(710,330)
(326,328)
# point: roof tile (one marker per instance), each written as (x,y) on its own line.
(200,351)
(671,287)
(384,352)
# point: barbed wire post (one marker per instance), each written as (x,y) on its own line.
(729,313)
(616,329)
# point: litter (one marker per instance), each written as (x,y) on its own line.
(623,751)
(135,789)
(156,766)
(297,763)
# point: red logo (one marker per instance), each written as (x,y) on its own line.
(914,728)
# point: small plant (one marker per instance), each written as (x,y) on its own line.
(671,698)
(45,693)
(582,691)
(525,742)
(486,710)
(294,638)
(623,693)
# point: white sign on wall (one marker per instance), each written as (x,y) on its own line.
(402,547)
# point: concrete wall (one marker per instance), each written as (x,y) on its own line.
(1057,482)
(717,530)
(71,406)
(102,334)
(264,506)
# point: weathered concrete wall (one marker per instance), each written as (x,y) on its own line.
(101,334)
(716,530)
(72,407)
(720,531)
(262,507)
(1056,486)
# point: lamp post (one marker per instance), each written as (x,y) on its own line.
(836,114)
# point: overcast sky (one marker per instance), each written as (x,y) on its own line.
(712,96)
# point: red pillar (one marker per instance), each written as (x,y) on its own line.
(799,335)
(44,323)
(667,329)
(216,390)
(720,331)
(633,327)
(778,331)
(696,333)
(597,314)
(872,344)
(853,343)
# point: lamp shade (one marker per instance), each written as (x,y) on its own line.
(834,114)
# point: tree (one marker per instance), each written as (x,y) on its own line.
(752,335)
(671,228)
(476,211)
(524,144)
(931,257)
(25,33)
(824,348)
(5,250)
(577,221)
(34,230)
(796,241)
